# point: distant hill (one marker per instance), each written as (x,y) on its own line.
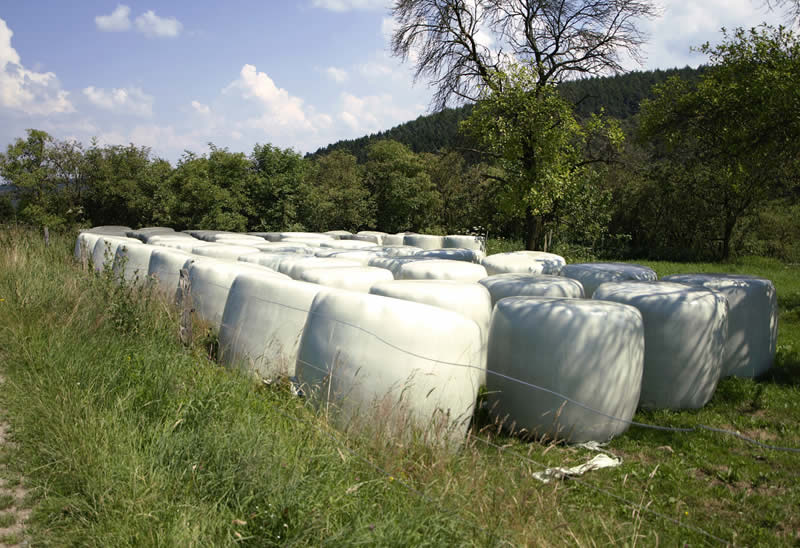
(619,96)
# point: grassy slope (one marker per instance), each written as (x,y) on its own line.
(128,438)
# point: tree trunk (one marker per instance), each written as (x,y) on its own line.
(730,223)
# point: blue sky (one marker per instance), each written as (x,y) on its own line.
(175,75)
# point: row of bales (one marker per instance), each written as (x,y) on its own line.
(378,327)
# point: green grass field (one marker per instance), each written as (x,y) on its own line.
(125,437)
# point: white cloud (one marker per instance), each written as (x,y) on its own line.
(118,21)
(348,5)
(336,74)
(152,25)
(375,69)
(121,100)
(280,107)
(201,108)
(27,91)
(374,112)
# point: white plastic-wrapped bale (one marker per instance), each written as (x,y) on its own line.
(752,320)
(477,243)
(156,239)
(441,269)
(165,268)
(211,280)
(394,264)
(453,254)
(397,250)
(568,369)
(223,251)
(310,242)
(337,234)
(394,239)
(84,245)
(523,262)
(501,286)
(225,238)
(268,236)
(199,234)
(591,275)
(144,233)
(346,244)
(283,247)
(132,262)
(105,248)
(295,268)
(685,329)
(109,230)
(263,321)
(360,256)
(424,241)
(269,259)
(371,236)
(186,245)
(468,299)
(307,235)
(388,364)
(351,278)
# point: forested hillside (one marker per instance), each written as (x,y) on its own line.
(619,96)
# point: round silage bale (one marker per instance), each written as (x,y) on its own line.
(165,268)
(468,299)
(347,244)
(752,319)
(476,243)
(501,286)
(270,260)
(591,275)
(398,250)
(144,233)
(351,278)
(263,321)
(441,269)
(337,234)
(584,356)
(223,251)
(211,280)
(424,241)
(104,250)
(392,364)
(132,262)
(294,268)
(453,254)
(307,235)
(84,245)
(394,239)
(523,262)
(685,332)
(360,256)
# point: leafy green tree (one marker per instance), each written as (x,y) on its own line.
(335,196)
(405,198)
(733,139)
(48,177)
(275,192)
(543,152)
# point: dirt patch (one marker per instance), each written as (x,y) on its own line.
(13,513)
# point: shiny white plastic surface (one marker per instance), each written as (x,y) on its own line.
(424,241)
(295,267)
(165,267)
(223,251)
(685,332)
(351,278)
(132,262)
(591,275)
(501,286)
(393,239)
(453,254)
(441,270)
(752,319)
(384,362)
(589,351)
(523,262)
(105,248)
(468,299)
(262,323)
(346,244)
(476,243)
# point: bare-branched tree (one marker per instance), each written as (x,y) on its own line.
(459,44)
(791,8)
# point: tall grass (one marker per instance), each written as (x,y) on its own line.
(128,438)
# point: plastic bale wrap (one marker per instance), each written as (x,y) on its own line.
(347,244)
(360,256)
(337,234)
(523,262)
(436,269)
(84,244)
(454,254)
(143,234)
(468,299)
(282,247)
(476,243)
(394,239)
(132,262)
(390,366)
(165,268)
(351,278)
(270,260)
(223,251)
(109,230)
(211,280)
(306,235)
(590,352)
(685,332)
(262,323)
(105,248)
(394,264)
(501,286)
(294,268)
(591,275)
(424,241)
(398,250)
(752,320)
